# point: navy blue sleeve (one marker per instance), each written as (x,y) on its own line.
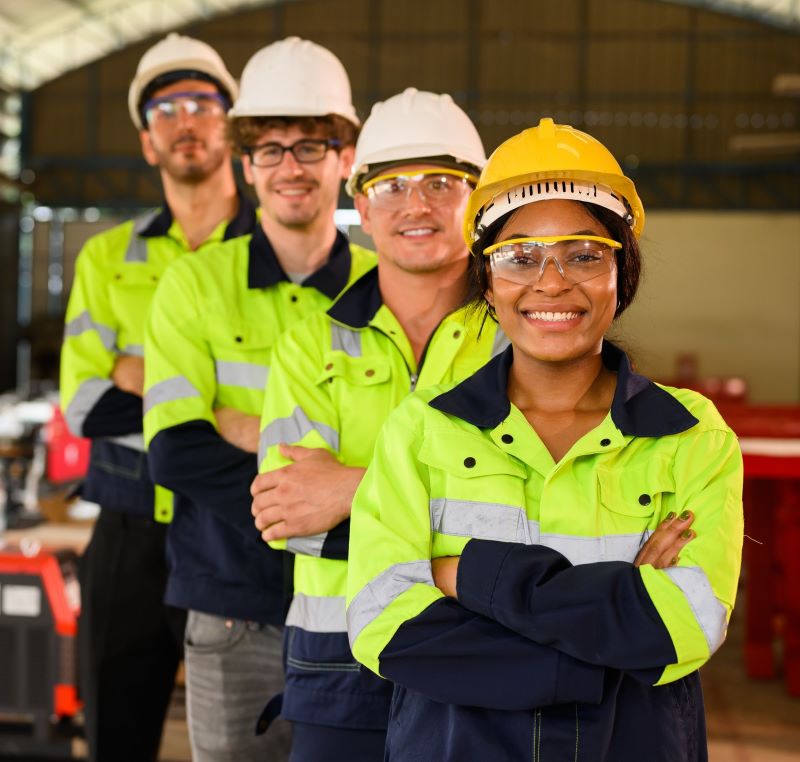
(455,656)
(115,414)
(193,460)
(337,542)
(598,612)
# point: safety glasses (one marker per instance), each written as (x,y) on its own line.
(436,187)
(165,110)
(577,258)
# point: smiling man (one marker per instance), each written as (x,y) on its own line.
(209,341)
(129,641)
(336,377)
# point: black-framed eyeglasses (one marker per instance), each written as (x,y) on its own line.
(305,151)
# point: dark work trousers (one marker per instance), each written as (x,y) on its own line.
(129,642)
(321,743)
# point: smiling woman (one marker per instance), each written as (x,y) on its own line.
(522,562)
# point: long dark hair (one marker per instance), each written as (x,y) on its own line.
(629,260)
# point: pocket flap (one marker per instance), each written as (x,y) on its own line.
(632,490)
(358,371)
(468,456)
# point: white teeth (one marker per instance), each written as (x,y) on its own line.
(418,231)
(293,192)
(552,316)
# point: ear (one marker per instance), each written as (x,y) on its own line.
(346,157)
(146,141)
(247,169)
(363,206)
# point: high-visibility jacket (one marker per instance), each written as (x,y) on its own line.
(212,328)
(557,642)
(335,378)
(116,275)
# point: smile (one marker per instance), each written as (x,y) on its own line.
(418,232)
(552,317)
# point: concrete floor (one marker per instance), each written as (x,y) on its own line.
(748,721)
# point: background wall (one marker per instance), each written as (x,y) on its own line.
(725,287)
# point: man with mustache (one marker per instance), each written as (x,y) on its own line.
(208,346)
(129,640)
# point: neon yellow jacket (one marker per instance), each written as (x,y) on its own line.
(334,380)
(116,275)
(213,325)
(546,584)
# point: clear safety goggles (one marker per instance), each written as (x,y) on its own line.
(305,151)
(436,187)
(577,258)
(165,110)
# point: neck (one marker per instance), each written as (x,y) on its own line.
(200,207)
(420,301)
(554,388)
(301,250)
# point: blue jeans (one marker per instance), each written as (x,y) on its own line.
(233,668)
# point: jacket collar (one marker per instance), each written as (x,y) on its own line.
(159,223)
(640,408)
(264,269)
(357,306)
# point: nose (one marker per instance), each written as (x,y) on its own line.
(416,201)
(290,164)
(552,280)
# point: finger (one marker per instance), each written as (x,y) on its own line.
(264,482)
(279,531)
(671,554)
(664,537)
(297,452)
(269,516)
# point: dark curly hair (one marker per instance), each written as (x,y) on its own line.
(629,260)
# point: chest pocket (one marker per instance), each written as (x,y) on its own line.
(354,371)
(131,289)
(241,353)
(476,490)
(634,498)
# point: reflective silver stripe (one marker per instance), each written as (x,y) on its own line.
(315,613)
(345,340)
(307,546)
(245,374)
(132,441)
(501,342)
(176,388)
(83,323)
(376,595)
(509,523)
(133,350)
(84,400)
(708,611)
(137,246)
(292,429)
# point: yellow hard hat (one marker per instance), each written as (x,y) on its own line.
(550,161)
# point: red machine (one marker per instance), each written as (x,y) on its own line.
(39,606)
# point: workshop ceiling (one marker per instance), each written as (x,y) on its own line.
(42,39)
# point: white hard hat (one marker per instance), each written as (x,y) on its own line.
(415,125)
(295,77)
(176,53)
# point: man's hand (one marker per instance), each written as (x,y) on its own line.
(445,572)
(310,496)
(237,428)
(128,374)
(663,547)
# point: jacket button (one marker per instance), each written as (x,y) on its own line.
(456,334)
(369,372)
(507,438)
(238,339)
(293,297)
(644,499)
(329,366)
(469,462)
(605,442)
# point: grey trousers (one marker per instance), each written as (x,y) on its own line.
(233,668)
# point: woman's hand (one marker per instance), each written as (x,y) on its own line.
(445,571)
(663,547)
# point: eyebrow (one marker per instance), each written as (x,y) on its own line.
(526,235)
